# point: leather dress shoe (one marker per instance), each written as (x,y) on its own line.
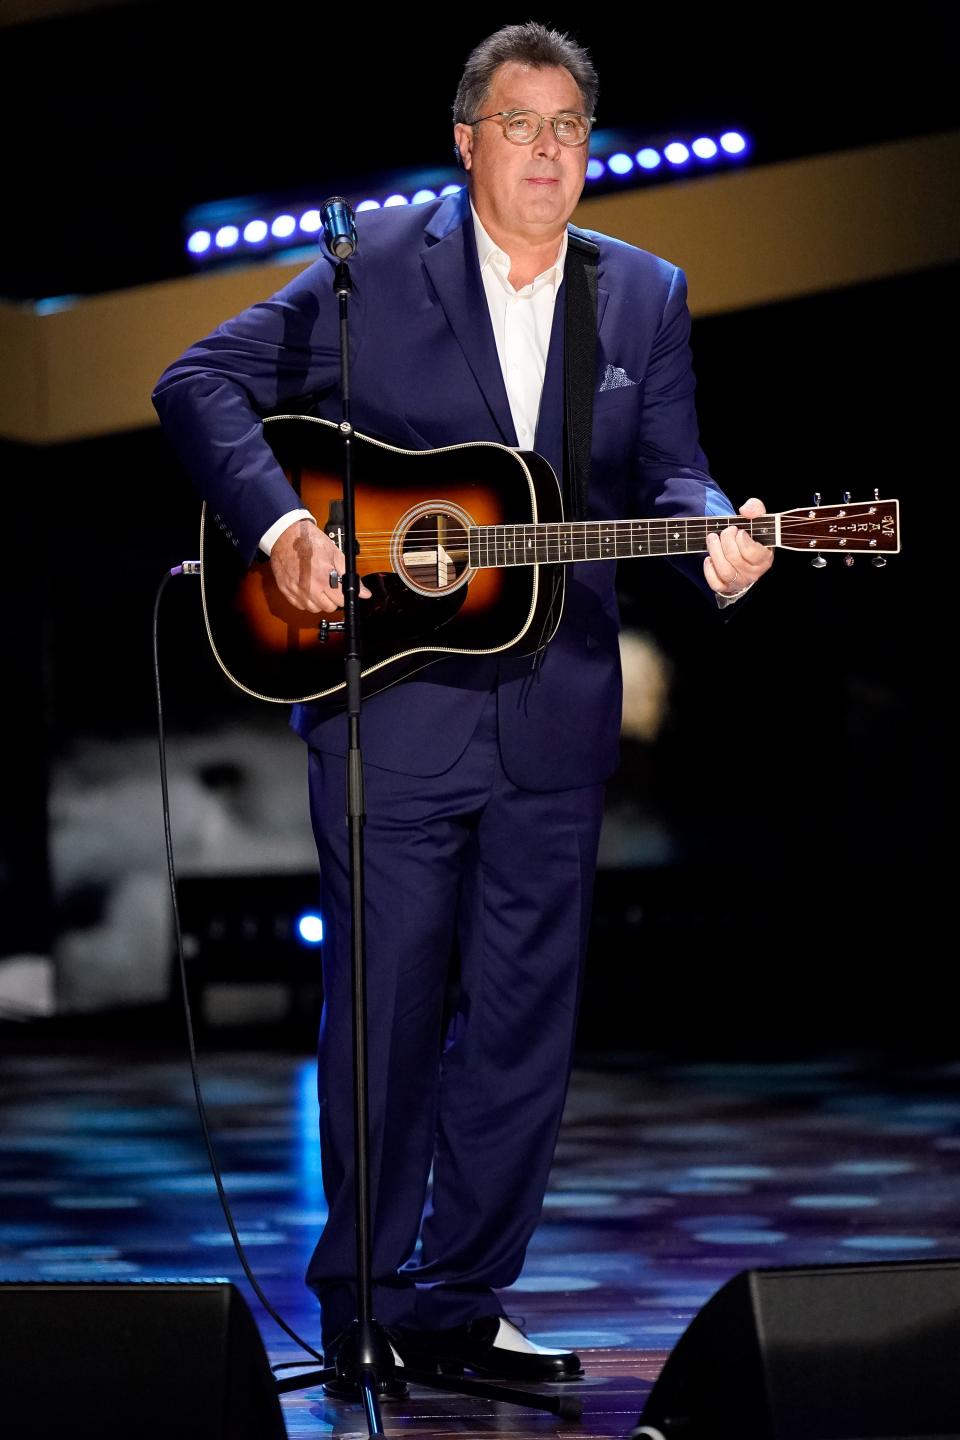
(490,1346)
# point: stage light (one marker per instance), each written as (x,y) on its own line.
(213,231)
(310,929)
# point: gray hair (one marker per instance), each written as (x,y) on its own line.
(530,44)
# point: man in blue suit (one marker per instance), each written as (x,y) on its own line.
(484,777)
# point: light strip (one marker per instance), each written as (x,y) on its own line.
(236,228)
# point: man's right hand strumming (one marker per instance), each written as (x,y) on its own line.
(307,567)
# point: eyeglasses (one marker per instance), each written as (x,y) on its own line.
(521,127)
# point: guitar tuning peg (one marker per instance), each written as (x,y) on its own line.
(846,497)
(816,497)
(819,562)
(848,560)
(878,562)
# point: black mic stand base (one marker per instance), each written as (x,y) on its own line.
(372,1381)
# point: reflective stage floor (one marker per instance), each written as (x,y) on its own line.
(671,1176)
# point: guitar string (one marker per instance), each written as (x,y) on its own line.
(501,534)
(381,544)
(788,521)
(620,528)
(587,525)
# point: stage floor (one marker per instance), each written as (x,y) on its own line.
(670,1177)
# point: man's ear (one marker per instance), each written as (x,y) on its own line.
(463,145)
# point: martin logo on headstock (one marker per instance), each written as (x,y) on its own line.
(848,529)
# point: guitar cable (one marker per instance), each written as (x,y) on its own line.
(192,567)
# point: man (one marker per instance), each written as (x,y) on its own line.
(484,777)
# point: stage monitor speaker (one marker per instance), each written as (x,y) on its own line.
(151,1359)
(842,1352)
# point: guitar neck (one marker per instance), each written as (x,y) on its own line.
(869,527)
(496,546)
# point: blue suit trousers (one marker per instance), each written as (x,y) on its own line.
(464,860)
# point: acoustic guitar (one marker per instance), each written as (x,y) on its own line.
(464,550)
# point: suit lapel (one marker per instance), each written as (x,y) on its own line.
(450,260)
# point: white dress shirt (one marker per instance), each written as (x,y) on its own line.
(522,321)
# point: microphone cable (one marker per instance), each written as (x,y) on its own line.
(192,567)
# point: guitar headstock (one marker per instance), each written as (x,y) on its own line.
(870,527)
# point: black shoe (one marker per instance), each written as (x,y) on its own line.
(490,1346)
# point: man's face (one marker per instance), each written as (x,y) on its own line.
(529,190)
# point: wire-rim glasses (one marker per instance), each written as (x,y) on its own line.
(521,127)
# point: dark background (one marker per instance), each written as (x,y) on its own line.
(802,770)
(119,120)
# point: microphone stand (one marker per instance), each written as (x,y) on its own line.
(365,1356)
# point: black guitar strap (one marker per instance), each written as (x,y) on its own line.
(579,370)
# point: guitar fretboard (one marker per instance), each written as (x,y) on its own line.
(495,546)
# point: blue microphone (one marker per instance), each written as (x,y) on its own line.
(339,230)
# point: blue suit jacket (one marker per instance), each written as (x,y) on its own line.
(425,373)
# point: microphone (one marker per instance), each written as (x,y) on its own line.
(339,230)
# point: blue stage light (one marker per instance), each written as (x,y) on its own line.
(310,929)
(626,166)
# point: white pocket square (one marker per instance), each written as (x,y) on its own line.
(615,378)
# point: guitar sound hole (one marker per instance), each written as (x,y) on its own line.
(432,552)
